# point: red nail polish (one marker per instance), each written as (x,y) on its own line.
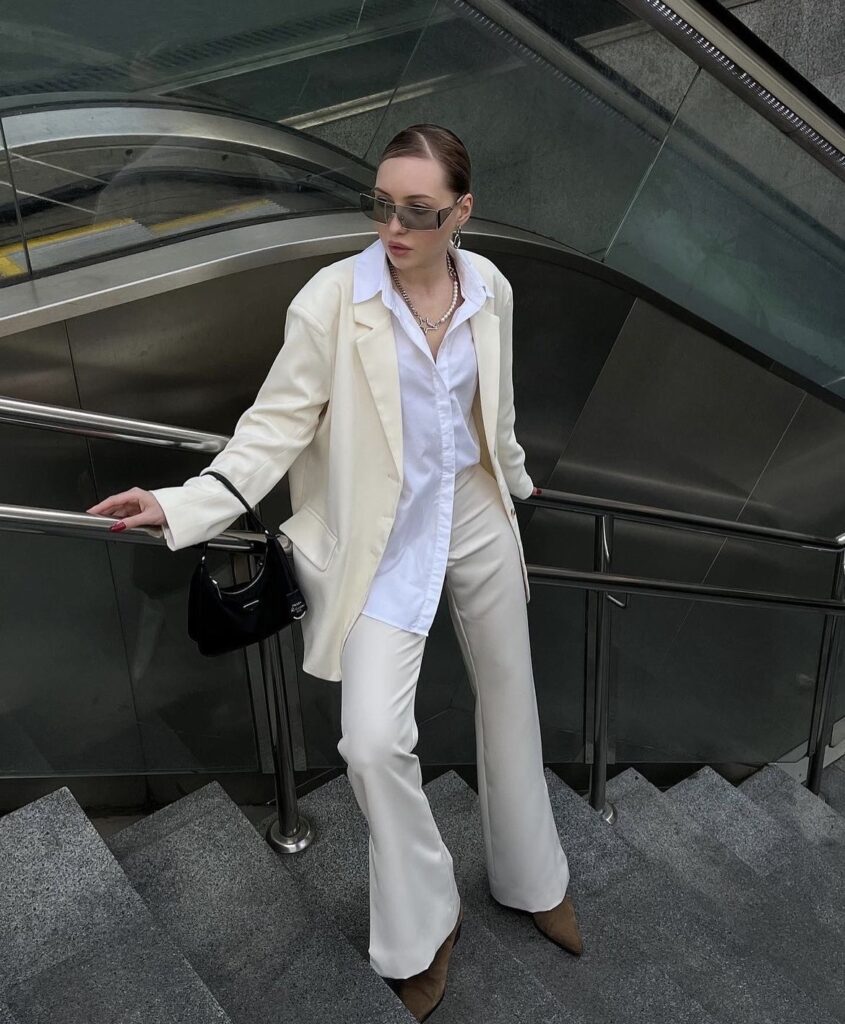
(117,526)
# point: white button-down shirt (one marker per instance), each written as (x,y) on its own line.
(439,440)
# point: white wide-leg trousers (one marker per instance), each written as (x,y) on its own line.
(413,896)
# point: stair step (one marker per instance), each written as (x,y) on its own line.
(244,921)
(79,944)
(761,929)
(698,950)
(336,863)
(151,828)
(833,785)
(616,978)
(788,800)
(710,842)
(776,853)
(486,983)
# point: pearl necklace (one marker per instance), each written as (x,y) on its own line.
(426,324)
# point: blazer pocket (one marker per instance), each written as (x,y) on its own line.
(310,535)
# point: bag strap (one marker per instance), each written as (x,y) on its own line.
(237,493)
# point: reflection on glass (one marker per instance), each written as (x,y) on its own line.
(193,713)
(329,68)
(271,60)
(707,682)
(12,252)
(83,200)
(557,150)
(743,227)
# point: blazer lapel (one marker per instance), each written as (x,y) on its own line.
(377,348)
(488,345)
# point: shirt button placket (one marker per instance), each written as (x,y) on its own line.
(443,521)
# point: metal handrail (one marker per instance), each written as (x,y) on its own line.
(597,671)
(629,510)
(111,428)
(604,581)
(84,525)
(123,428)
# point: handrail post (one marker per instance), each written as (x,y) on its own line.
(821,725)
(288,831)
(602,554)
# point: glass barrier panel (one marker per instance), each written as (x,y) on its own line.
(592,134)
(192,713)
(321,68)
(704,682)
(307,62)
(743,227)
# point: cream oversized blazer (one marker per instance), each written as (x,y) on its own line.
(329,413)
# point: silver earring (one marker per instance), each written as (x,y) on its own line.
(456,237)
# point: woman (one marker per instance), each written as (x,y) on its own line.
(391,403)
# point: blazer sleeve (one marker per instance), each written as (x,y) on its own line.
(511,454)
(267,438)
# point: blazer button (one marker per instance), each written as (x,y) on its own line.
(513,511)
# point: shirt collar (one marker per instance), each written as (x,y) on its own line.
(372,274)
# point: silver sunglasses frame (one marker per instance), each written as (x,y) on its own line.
(442,213)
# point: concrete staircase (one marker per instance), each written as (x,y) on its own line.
(705,903)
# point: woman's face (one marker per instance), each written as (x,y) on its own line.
(417,181)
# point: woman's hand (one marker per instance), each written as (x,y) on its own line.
(135,507)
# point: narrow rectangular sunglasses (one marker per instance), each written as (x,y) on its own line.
(416,218)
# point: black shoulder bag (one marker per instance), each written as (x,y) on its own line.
(222,619)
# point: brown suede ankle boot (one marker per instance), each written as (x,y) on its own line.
(560,925)
(422,993)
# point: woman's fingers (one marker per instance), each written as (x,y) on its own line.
(119,511)
(123,500)
(135,507)
(146,518)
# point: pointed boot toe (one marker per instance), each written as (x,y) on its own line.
(560,925)
(422,993)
